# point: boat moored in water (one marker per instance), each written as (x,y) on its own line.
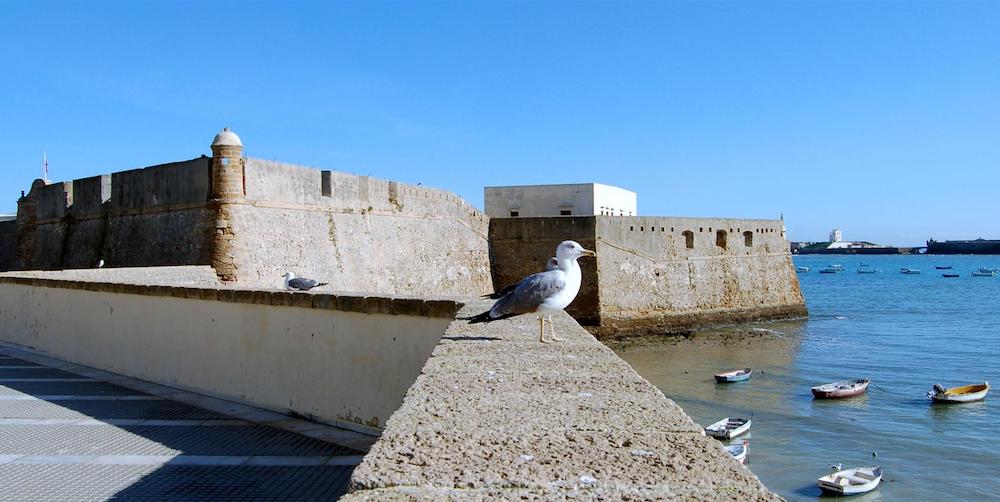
(943,267)
(844,388)
(911,271)
(830,270)
(950,275)
(985,272)
(802,269)
(851,481)
(866,269)
(739,452)
(963,394)
(728,428)
(733,376)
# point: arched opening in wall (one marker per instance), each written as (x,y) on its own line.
(688,239)
(720,238)
(748,238)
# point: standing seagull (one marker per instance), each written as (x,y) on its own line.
(302,284)
(544,292)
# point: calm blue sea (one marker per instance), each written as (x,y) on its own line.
(904,332)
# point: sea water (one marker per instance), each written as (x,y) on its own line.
(904,332)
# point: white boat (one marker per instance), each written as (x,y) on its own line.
(866,269)
(739,452)
(830,270)
(985,272)
(837,266)
(728,428)
(851,481)
(909,270)
(802,269)
(963,394)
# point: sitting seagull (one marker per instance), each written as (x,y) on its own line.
(300,283)
(552,264)
(544,292)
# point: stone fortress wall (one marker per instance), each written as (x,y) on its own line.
(143,217)
(253,220)
(660,274)
(358,233)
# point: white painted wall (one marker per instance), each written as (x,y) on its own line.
(614,201)
(343,368)
(582,199)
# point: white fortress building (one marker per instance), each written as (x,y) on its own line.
(580,199)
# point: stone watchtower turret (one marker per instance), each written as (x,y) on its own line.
(228,188)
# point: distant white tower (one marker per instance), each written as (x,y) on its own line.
(836,236)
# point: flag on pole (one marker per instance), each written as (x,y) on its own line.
(45,166)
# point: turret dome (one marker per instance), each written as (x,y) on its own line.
(226,138)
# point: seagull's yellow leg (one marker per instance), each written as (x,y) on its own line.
(541,329)
(552,328)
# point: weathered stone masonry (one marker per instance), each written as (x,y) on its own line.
(253,220)
(659,274)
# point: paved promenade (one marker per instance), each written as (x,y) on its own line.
(69,433)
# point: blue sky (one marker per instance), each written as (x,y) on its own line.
(882,119)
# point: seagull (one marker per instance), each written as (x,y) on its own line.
(542,293)
(300,283)
(552,264)
(100,264)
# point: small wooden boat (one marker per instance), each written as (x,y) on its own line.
(802,269)
(733,376)
(852,481)
(963,394)
(909,270)
(728,428)
(950,275)
(945,267)
(739,451)
(844,388)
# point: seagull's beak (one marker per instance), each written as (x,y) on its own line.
(587,252)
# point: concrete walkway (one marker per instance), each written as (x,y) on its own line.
(69,433)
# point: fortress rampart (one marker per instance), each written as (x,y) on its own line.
(659,274)
(253,220)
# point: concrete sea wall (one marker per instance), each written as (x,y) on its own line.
(340,359)
(660,274)
(496,415)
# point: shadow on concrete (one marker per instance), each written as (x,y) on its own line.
(210,467)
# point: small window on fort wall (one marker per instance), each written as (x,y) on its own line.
(514,214)
(720,238)
(688,239)
(565,212)
(748,238)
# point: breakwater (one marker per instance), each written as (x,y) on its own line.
(497,415)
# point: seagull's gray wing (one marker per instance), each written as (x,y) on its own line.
(303,284)
(529,294)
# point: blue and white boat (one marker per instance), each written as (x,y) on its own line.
(733,376)
(910,271)
(802,269)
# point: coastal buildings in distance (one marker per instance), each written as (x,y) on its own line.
(252,220)
(837,245)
